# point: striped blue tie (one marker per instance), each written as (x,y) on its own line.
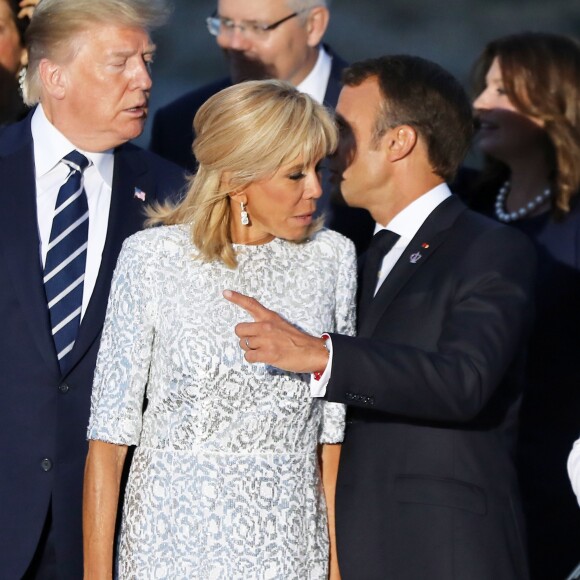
(64,270)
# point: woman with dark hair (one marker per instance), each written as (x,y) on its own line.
(14,19)
(528,112)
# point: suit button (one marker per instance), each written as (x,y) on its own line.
(63,388)
(46,464)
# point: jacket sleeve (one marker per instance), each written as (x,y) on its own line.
(486,321)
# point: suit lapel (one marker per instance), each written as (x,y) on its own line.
(126,216)
(334,83)
(422,247)
(19,238)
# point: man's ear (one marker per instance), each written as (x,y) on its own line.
(317,24)
(52,77)
(400,142)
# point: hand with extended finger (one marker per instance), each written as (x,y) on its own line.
(272,340)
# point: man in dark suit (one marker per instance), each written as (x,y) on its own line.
(89,72)
(426,486)
(279,39)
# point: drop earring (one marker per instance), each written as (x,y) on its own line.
(244,214)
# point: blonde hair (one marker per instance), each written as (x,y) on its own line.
(56,29)
(244,134)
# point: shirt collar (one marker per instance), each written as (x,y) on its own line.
(315,82)
(50,146)
(408,221)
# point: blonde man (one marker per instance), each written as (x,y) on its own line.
(75,190)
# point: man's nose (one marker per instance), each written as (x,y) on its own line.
(236,38)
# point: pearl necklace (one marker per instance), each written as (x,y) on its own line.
(504,216)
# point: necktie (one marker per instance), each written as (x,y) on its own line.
(380,245)
(64,270)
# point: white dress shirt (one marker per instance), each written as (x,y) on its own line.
(50,146)
(317,80)
(406,223)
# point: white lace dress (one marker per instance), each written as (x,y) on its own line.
(224,482)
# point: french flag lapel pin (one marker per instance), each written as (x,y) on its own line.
(139,194)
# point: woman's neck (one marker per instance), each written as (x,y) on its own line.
(528,179)
(247,238)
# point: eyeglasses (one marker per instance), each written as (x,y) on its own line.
(218,25)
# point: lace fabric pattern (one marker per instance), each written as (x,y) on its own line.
(224,482)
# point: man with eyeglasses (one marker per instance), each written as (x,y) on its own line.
(279,39)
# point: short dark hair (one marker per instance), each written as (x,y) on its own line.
(423,95)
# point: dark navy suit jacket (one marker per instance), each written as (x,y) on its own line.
(43,414)
(172,137)
(427,485)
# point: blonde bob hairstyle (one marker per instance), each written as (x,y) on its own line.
(245,133)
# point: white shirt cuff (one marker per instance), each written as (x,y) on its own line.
(573,465)
(318,386)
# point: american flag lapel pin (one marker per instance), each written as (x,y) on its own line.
(139,194)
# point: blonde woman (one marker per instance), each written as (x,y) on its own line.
(226,480)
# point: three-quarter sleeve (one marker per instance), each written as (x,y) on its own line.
(125,352)
(333,414)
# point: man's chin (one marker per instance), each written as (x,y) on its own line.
(349,199)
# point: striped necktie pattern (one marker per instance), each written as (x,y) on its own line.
(64,270)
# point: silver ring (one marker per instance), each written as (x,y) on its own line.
(248,344)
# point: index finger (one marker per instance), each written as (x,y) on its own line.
(250,305)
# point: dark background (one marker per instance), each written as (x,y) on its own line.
(450,32)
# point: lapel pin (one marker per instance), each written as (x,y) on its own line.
(425,245)
(414,258)
(139,194)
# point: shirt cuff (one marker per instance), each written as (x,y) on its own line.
(318,381)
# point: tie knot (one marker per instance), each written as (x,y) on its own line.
(383,241)
(76,161)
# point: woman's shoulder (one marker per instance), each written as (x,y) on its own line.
(158,245)
(330,239)
(159,239)
(331,244)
